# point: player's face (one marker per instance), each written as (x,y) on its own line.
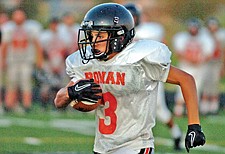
(68,20)
(3,18)
(53,26)
(100,47)
(212,27)
(193,30)
(19,16)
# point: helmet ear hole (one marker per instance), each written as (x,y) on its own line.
(116,44)
(120,39)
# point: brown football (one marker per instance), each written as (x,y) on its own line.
(85,106)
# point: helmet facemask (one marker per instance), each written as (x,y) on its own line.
(117,39)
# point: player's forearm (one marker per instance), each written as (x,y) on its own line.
(188,87)
(39,54)
(62,99)
(190,96)
(3,53)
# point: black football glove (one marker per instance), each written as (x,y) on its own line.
(194,137)
(85,90)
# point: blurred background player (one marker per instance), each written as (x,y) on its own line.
(155,31)
(4,17)
(21,50)
(53,75)
(193,49)
(210,97)
(68,31)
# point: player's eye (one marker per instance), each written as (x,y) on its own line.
(100,37)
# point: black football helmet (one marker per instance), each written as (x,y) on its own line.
(193,26)
(212,21)
(135,11)
(112,18)
(194,22)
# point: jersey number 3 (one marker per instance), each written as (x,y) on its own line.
(109,127)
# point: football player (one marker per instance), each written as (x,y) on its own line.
(68,31)
(22,50)
(210,97)
(129,74)
(193,49)
(4,18)
(155,31)
(53,75)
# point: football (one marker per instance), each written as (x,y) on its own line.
(85,106)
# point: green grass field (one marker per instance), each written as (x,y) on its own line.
(72,133)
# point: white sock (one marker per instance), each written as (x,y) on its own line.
(204,107)
(176,131)
(214,107)
(179,110)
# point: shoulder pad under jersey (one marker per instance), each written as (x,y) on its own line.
(153,51)
(74,61)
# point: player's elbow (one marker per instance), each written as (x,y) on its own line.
(188,80)
(57,102)
(60,104)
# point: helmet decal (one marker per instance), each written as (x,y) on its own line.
(87,24)
(116,20)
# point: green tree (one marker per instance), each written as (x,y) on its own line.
(184,9)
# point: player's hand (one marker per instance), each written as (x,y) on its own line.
(85,90)
(194,137)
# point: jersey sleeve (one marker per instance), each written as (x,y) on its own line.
(221,37)
(72,67)
(208,45)
(157,64)
(7,29)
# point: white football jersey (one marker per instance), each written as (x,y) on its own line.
(202,44)
(21,40)
(54,48)
(130,84)
(219,39)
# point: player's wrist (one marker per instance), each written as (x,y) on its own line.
(71,94)
(195,127)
